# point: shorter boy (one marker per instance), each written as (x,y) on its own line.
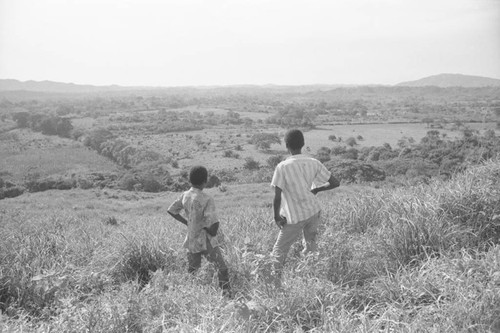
(201,220)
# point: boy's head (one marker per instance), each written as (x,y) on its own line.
(198,175)
(294,139)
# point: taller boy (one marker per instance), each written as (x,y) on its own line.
(296,181)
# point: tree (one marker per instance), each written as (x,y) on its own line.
(264,140)
(497,111)
(428,121)
(351,141)
(21,118)
(323,154)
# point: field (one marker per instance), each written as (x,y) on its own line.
(416,250)
(27,154)
(111,261)
(207,147)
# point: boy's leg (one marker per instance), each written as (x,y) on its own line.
(214,255)
(288,234)
(310,233)
(194,261)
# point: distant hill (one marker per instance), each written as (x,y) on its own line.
(453,80)
(58,87)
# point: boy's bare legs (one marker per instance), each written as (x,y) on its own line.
(310,233)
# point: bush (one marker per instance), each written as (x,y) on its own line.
(323,154)
(350,154)
(251,164)
(264,140)
(11,192)
(127,182)
(150,184)
(351,141)
(96,138)
(139,257)
(338,150)
(274,160)
(213,181)
(230,154)
(355,172)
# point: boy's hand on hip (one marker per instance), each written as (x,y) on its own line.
(280,221)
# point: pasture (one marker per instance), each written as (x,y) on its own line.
(389,260)
(207,146)
(24,153)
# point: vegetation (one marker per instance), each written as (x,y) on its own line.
(389,260)
(411,245)
(49,125)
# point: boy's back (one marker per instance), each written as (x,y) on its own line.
(200,213)
(295,176)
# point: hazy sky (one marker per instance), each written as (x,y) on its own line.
(221,42)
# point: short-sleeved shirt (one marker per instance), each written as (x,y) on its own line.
(200,212)
(296,176)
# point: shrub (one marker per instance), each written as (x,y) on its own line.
(96,138)
(354,171)
(274,160)
(21,118)
(139,257)
(150,183)
(338,150)
(11,192)
(251,164)
(264,140)
(323,154)
(351,141)
(230,154)
(213,181)
(127,182)
(351,154)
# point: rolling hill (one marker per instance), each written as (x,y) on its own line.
(58,87)
(453,80)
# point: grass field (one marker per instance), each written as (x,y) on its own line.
(419,259)
(25,153)
(378,134)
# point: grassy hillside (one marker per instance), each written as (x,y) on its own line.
(424,258)
(24,153)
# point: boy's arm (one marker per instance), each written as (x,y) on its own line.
(210,216)
(179,218)
(278,219)
(332,183)
(175,208)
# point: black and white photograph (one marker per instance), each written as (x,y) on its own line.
(249,166)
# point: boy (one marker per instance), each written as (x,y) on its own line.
(296,209)
(201,220)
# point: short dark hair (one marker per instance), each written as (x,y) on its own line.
(294,139)
(198,175)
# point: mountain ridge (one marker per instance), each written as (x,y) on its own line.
(447,80)
(439,80)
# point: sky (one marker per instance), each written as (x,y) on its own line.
(226,42)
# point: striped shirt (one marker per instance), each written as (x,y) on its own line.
(296,176)
(200,213)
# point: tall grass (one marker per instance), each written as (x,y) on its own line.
(424,258)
